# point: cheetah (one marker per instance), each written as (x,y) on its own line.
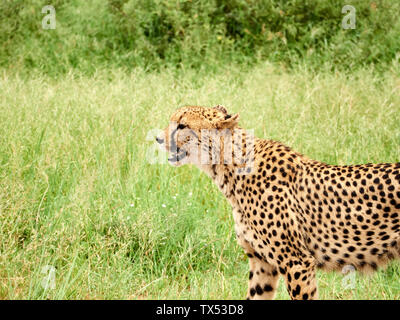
(292,214)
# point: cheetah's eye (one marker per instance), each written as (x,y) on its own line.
(181,126)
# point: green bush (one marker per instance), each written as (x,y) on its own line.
(196,33)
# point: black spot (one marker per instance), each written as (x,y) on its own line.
(259,290)
(296,291)
(326,258)
(374,251)
(340,261)
(268,288)
(257,255)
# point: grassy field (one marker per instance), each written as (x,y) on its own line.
(78,194)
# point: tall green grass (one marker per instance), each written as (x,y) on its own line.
(77,192)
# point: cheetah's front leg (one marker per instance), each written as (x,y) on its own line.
(300,280)
(263,279)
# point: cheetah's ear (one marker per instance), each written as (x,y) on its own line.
(221,108)
(229,122)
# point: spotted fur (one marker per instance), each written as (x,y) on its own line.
(293,214)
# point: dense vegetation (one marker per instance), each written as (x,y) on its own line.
(200,34)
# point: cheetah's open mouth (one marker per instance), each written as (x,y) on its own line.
(178,157)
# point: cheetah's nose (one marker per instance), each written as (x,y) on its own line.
(159,140)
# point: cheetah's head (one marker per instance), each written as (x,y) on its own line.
(190,125)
